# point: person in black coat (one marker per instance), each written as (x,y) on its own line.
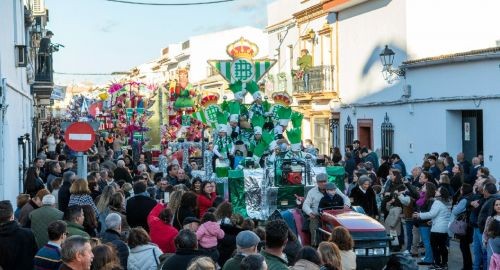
(227,244)
(186,209)
(64,194)
(364,196)
(113,236)
(331,200)
(17,245)
(186,245)
(139,206)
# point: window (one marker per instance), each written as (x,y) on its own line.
(21,55)
(387,130)
(321,130)
(185,45)
(348,132)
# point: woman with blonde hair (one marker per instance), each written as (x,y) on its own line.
(80,194)
(343,239)
(202,263)
(175,200)
(103,199)
(329,254)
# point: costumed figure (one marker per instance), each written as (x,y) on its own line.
(284,114)
(294,136)
(234,117)
(223,147)
(183,91)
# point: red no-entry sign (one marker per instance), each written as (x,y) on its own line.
(79,136)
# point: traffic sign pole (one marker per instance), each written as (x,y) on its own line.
(81,160)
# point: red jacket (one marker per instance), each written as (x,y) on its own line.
(161,233)
(204,203)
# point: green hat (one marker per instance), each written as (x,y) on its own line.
(238,91)
(284,114)
(234,111)
(295,137)
(253,89)
(297,119)
(222,121)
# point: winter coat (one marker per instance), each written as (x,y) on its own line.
(304,265)
(48,258)
(366,200)
(162,234)
(82,199)
(393,220)
(17,247)
(76,229)
(122,174)
(113,237)
(486,210)
(440,215)
(63,197)
(181,259)
(138,209)
(330,202)
(204,203)
(24,214)
(40,220)
(180,215)
(144,257)
(348,259)
(208,233)
(227,244)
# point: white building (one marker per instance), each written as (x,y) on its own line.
(16,102)
(446,102)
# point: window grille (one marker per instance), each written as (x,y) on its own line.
(387,130)
(348,132)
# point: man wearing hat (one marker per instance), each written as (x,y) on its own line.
(42,217)
(311,204)
(191,223)
(246,244)
(363,195)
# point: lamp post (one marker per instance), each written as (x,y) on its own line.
(387,59)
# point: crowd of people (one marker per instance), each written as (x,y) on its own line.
(124,215)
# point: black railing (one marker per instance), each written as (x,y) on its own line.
(316,79)
(387,130)
(44,71)
(348,132)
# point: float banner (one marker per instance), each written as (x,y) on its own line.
(237,192)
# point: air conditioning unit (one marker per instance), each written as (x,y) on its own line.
(38,7)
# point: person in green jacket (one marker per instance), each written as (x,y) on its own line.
(276,238)
(42,217)
(305,63)
(75,219)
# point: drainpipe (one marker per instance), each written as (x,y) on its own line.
(3,111)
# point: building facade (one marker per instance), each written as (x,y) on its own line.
(447,99)
(16,100)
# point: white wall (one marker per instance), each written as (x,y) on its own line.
(18,115)
(363,31)
(436,126)
(450,26)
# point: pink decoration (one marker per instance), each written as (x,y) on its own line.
(115,87)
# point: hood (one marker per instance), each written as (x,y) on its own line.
(8,228)
(142,248)
(212,227)
(305,264)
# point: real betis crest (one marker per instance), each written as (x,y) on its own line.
(242,68)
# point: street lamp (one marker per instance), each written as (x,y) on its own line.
(387,58)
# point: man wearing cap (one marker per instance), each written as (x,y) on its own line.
(311,204)
(42,217)
(331,200)
(246,244)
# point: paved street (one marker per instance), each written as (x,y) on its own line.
(454,257)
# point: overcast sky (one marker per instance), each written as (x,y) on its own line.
(104,37)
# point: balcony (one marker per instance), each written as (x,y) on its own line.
(320,82)
(44,81)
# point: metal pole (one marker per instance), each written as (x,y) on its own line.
(81,160)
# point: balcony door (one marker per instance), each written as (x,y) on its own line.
(321,135)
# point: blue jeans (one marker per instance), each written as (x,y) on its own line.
(409,234)
(477,249)
(425,235)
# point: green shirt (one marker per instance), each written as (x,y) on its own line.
(233,263)
(274,262)
(76,229)
(305,62)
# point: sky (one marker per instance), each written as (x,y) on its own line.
(103,37)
